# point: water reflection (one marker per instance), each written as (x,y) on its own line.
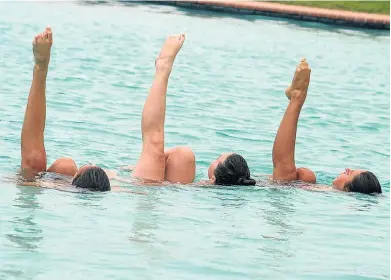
(145,224)
(278,213)
(365,202)
(91,199)
(230,199)
(27,233)
(280,210)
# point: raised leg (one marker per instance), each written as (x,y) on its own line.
(151,165)
(32,138)
(284,167)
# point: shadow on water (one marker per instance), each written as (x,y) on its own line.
(27,233)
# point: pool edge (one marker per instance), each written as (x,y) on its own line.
(321,15)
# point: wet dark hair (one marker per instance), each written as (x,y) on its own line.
(366,182)
(94,179)
(233,171)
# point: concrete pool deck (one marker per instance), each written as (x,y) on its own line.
(327,16)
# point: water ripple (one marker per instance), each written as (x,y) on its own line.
(226,93)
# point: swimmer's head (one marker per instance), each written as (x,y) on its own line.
(230,169)
(357,180)
(93,178)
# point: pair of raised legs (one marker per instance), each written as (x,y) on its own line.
(176,165)
(155,164)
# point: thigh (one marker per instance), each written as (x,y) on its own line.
(151,165)
(180,165)
(64,166)
(33,161)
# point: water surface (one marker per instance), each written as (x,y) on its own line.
(226,93)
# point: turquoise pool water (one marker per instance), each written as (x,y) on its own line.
(226,93)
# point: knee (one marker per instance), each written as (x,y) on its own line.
(65,166)
(306,175)
(183,154)
(186,154)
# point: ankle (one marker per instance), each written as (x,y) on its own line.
(41,67)
(162,72)
(164,65)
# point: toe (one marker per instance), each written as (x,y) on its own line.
(41,36)
(50,34)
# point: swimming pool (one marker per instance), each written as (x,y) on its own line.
(226,93)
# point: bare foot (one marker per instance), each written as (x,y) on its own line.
(170,49)
(42,44)
(301,80)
